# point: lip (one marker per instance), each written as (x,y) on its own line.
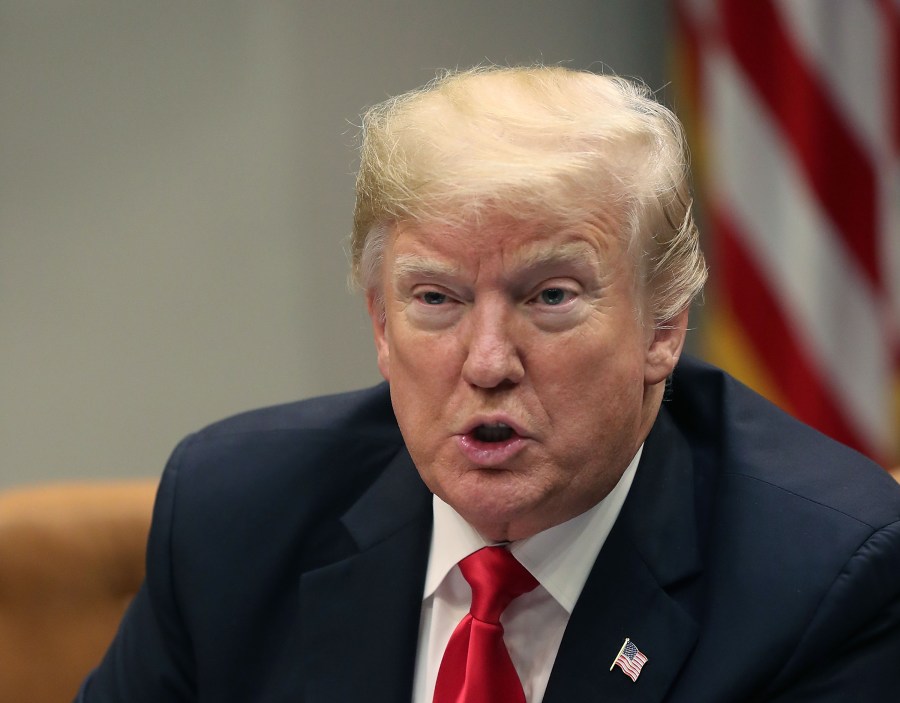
(491,454)
(492,419)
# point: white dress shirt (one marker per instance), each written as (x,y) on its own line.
(560,558)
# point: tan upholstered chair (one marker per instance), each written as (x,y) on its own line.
(71,558)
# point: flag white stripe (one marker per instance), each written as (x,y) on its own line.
(847,45)
(701,12)
(889,242)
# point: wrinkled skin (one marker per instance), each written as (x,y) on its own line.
(523,373)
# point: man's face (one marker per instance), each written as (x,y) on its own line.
(522,374)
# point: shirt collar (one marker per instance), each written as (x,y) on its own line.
(560,558)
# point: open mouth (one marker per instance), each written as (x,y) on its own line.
(492,444)
(493,432)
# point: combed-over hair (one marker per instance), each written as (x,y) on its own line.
(544,144)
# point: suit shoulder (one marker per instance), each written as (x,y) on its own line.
(365,411)
(299,448)
(800,537)
(298,461)
(752,440)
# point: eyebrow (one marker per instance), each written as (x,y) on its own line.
(412,265)
(533,258)
(573,253)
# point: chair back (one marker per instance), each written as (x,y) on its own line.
(71,559)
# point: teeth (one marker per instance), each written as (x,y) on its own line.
(493,432)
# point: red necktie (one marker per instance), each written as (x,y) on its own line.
(476,667)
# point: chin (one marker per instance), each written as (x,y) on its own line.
(494,509)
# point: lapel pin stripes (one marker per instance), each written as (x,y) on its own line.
(630,659)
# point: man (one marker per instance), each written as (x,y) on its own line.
(528,255)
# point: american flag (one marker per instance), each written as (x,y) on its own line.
(793,113)
(630,660)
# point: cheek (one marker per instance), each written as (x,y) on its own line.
(423,377)
(422,357)
(591,353)
(598,379)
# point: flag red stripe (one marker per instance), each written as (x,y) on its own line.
(830,155)
(632,671)
(774,338)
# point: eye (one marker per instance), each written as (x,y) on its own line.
(432,297)
(553,296)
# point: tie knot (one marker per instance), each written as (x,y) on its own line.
(496,578)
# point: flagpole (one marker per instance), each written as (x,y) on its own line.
(624,644)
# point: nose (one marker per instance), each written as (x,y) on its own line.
(492,358)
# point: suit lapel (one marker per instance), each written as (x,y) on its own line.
(642,586)
(360,615)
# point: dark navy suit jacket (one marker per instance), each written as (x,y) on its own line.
(754,560)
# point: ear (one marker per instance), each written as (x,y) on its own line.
(665,348)
(375,306)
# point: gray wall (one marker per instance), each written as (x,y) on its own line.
(175,191)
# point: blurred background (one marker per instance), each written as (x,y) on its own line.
(176,189)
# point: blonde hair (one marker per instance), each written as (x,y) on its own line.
(544,144)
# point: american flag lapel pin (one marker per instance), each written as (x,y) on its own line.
(630,659)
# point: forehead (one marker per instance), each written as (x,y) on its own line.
(509,244)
